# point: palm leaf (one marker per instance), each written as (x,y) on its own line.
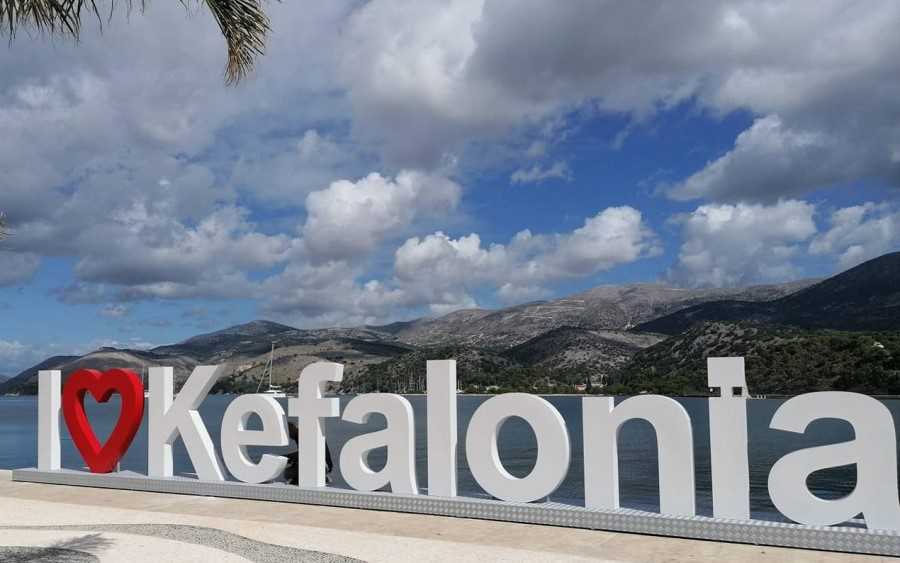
(49,15)
(243,23)
(245,26)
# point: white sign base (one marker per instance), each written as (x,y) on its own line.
(758,532)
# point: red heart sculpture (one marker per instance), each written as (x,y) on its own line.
(101,386)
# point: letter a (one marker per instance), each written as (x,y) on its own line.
(873,451)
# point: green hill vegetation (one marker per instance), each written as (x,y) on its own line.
(779,360)
(477,371)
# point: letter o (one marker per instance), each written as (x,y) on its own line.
(553,449)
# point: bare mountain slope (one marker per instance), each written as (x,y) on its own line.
(102,359)
(243,348)
(593,352)
(12,384)
(866,297)
(604,307)
(583,335)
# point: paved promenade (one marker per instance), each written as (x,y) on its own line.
(80,524)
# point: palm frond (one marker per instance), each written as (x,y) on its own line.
(245,27)
(243,23)
(53,16)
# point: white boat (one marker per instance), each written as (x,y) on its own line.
(273,390)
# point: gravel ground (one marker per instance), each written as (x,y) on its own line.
(226,541)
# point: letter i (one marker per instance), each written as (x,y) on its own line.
(49,406)
(728,439)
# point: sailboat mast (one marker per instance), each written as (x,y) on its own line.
(271,364)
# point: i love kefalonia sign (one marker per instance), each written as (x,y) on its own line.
(866,520)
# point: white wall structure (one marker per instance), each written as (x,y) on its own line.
(553,448)
(310,407)
(49,407)
(728,438)
(398,437)
(873,451)
(236,437)
(168,418)
(675,444)
(442,431)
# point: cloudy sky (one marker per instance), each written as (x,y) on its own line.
(389,160)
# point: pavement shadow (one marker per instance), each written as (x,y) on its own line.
(88,542)
(26,554)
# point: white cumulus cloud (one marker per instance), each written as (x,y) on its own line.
(436,273)
(349,219)
(859,233)
(727,245)
(439,265)
(426,79)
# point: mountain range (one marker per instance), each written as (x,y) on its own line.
(607,307)
(866,297)
(633,338)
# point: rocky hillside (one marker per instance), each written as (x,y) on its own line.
(290,359)
(779,360)
(594,353)
(102,359)
(477,371)
(866,297)
(604,307)
(555,361)
(243,348)
(406,373)
(26,382)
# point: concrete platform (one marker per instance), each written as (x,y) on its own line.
(115,525)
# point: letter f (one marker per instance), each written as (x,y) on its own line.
(310,407)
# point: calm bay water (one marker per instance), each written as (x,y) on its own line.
(637,448)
